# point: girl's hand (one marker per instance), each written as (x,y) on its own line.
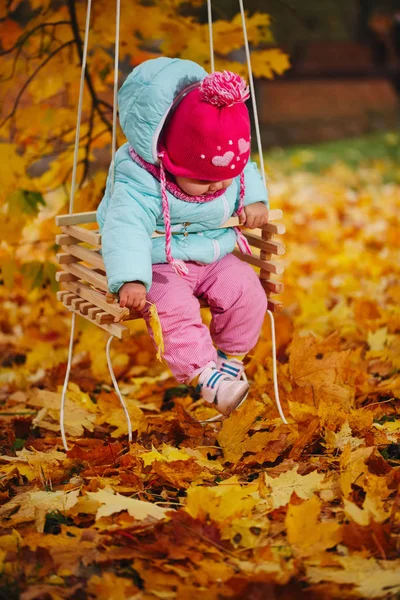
(254,215)
(132,295)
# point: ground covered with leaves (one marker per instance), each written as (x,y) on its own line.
(252,508)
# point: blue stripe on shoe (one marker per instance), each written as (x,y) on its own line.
(229,369)
(212,378)
(230,373)
(216,379)
(221,354)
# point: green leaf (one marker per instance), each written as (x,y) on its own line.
(26,202)
(18,444)
(38,274)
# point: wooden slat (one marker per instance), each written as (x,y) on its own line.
(76,303)
(270,246)
(84,307)
(89,275)
(98,299)
(92,312)
(76,219)
(270,266)
(70,226)
(64,258)
(275,306)
(82,234)
(265,255)
(63,276)
(272,287)
(90,256)
(275,228)
(68,299)
(90,217)
(61,294)
(104,317)
(62,239)
(116,329)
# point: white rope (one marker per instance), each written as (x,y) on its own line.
(113,150)
(71,208)
(65,386)
(210,35)
(116,68)
(79,115)
(116,388)
(261,160)
(274,369)
(253,94)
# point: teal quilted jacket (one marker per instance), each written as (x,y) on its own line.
(129,216)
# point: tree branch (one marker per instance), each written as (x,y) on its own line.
(27,35)
(31,77)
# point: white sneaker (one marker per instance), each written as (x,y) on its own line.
(221,390)
(231,367)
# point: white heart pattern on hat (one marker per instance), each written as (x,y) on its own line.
(243,146)
(222,161)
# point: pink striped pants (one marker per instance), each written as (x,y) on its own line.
(237,302)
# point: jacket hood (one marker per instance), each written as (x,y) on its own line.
(146,97)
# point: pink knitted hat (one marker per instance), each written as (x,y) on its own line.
(207,136)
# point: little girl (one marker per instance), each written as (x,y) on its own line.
(184,172)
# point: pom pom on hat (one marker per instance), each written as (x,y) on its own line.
(224,89)
(207,135)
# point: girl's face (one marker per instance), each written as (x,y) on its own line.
(197,187)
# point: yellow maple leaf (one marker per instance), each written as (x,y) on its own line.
(156,328)
(76,418)
(267,63)
(372,509)
(108,586)
(353,468)
(279,490)
(377,340)
(113,503)
(11,542)
(338,441)
(233,434)
(246,532)
(371,578)
(111,413)
(168,454)
(34,505)
(222,502)
(305,533)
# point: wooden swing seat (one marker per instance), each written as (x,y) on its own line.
(84,282)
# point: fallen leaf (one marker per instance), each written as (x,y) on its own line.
(34,505)
(369,577)
(353,468)
(113,503)
(279,490)
(306,533)
(108,586)
(338,441)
